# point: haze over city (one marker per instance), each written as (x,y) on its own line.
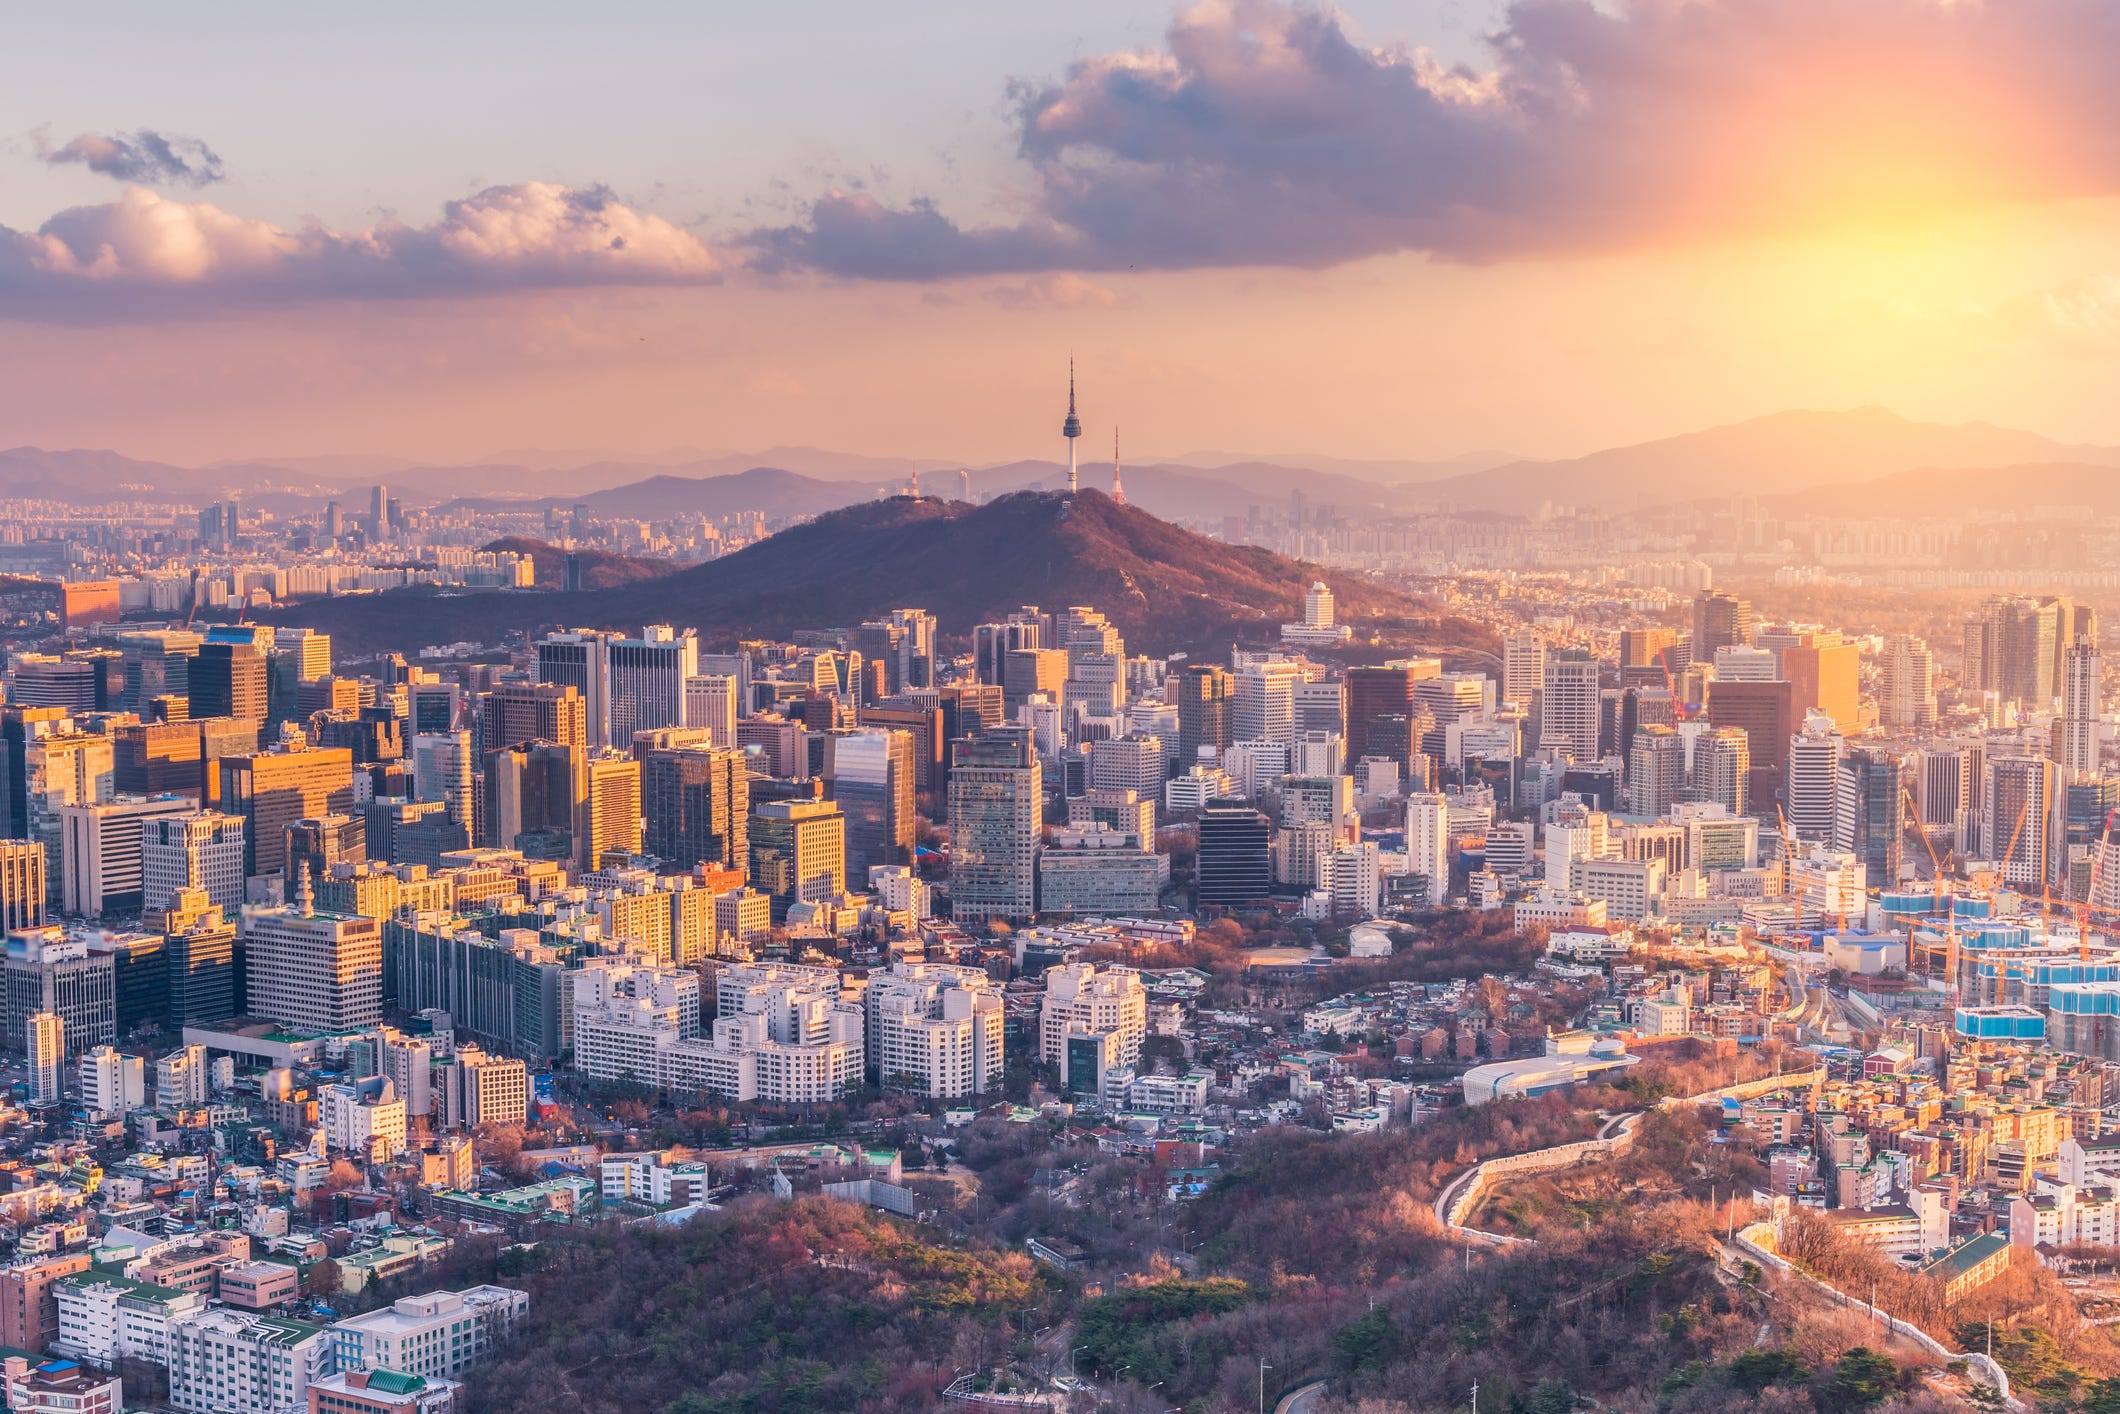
(1176,709)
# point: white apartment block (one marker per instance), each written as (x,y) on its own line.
(1082,999)
(934,1030)
(435,1336)
(113,1084)
(233,1362)
(105,1319)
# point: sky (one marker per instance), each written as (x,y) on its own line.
(1408,229)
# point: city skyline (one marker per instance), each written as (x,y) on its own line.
(873,233)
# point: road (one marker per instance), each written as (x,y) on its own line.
(1300,1400)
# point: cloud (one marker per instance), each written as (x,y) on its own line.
(144,254)
(1061,291)
(1265,133)
(144,156)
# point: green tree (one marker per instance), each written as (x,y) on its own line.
(1753,1370)
(1862,1378)
(1365,1342)
(1550,1397)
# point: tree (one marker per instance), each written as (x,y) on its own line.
(324,1279)
(1550,1397)
(343,1176)
(1862,1378)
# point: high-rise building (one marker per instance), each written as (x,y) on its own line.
(610,813)
(272,790)
(297,656)
(1764,712)
(1523,668)
(1906,683)
(1028,671)
(45,1046)
(798,852)
(1091,1023)
(580,659)
(992,643)
(112,1083)
(1382,709)
(516,713)
(1813,792)
(934,1030)
(229,680)
(1656,770)
(997,812)
(1234,861)
(871,773)
(1823,673)
(2082,705)
(2017,818)
(47,971)
(1722,769)
(1203,693)
(444,768)
(1264,705)
(903,641)
(1569,705)
(710,702)
(2013,648)
(199,946)
(22,884)
(1719,621)
(1428,844)
(648,678)
(697,804)
(1870,812)
(310,969)
(316,844)
(103,852)
(534,790)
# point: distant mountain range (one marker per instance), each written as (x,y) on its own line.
(1166,588)
(1783,454)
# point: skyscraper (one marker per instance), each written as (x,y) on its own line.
(798,852)
(2017,819)
(871,772)
(1822,673)
(997,812)
(102,854)
(710,703)
(1203,701)
(1656,770)
(1381,708)
(697,805)
(46,1047)
(1906,683)
(229,680)
(1722,769)
(519,712)
(648,677)
(22,884)
(272,790)
(1568,708)
(1523,668)
(2082,701)
(1813,792)
(580,659)
(1870,812)
(311,969)
(1234,862)
(1265,704)
(610,818)
(1719,621)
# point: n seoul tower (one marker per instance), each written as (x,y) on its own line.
(1071,429)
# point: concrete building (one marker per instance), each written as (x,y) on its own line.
(934,1030)
(237,1362)
(198,851)
(435,1336)
(320,970)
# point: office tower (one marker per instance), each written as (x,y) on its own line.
(2017,820)
(870,772)
(272,790)
(1523,668)
(47,971)
(710,702)
(1569,705)
(1380,707)
(23,888)
(322,971)
(298,656)
(1321,707)
(903,641)
(1028,671)
(432,707)
(521,712)
(1234,863)
(648,675)
(1447,699)
(1131,762)
(379,511)
(2012,645)
(1719,621)
(229,680)
(1656,770)
(315,844)
(1906,684)
(1763,711)
(1722,769)
(992,643)
(1744,663)
(534,792)
(610,819)
(1647,654)
(698,805)
(1263,707)
(2082,702)
(139,965)
(157,664)
(997,812)
(45,1045)
(930,735)
(1822,672)
(580,659)
(199,948)
(61,769)
(101,854)
(1870,812)
(443,769)
(35,680)
(1428,844)
(179,758)
(1943,787)
(798,852)
(1203,693)
(1812,796)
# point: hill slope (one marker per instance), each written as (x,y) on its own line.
(601,569)
(1166,588)
(1765,456)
